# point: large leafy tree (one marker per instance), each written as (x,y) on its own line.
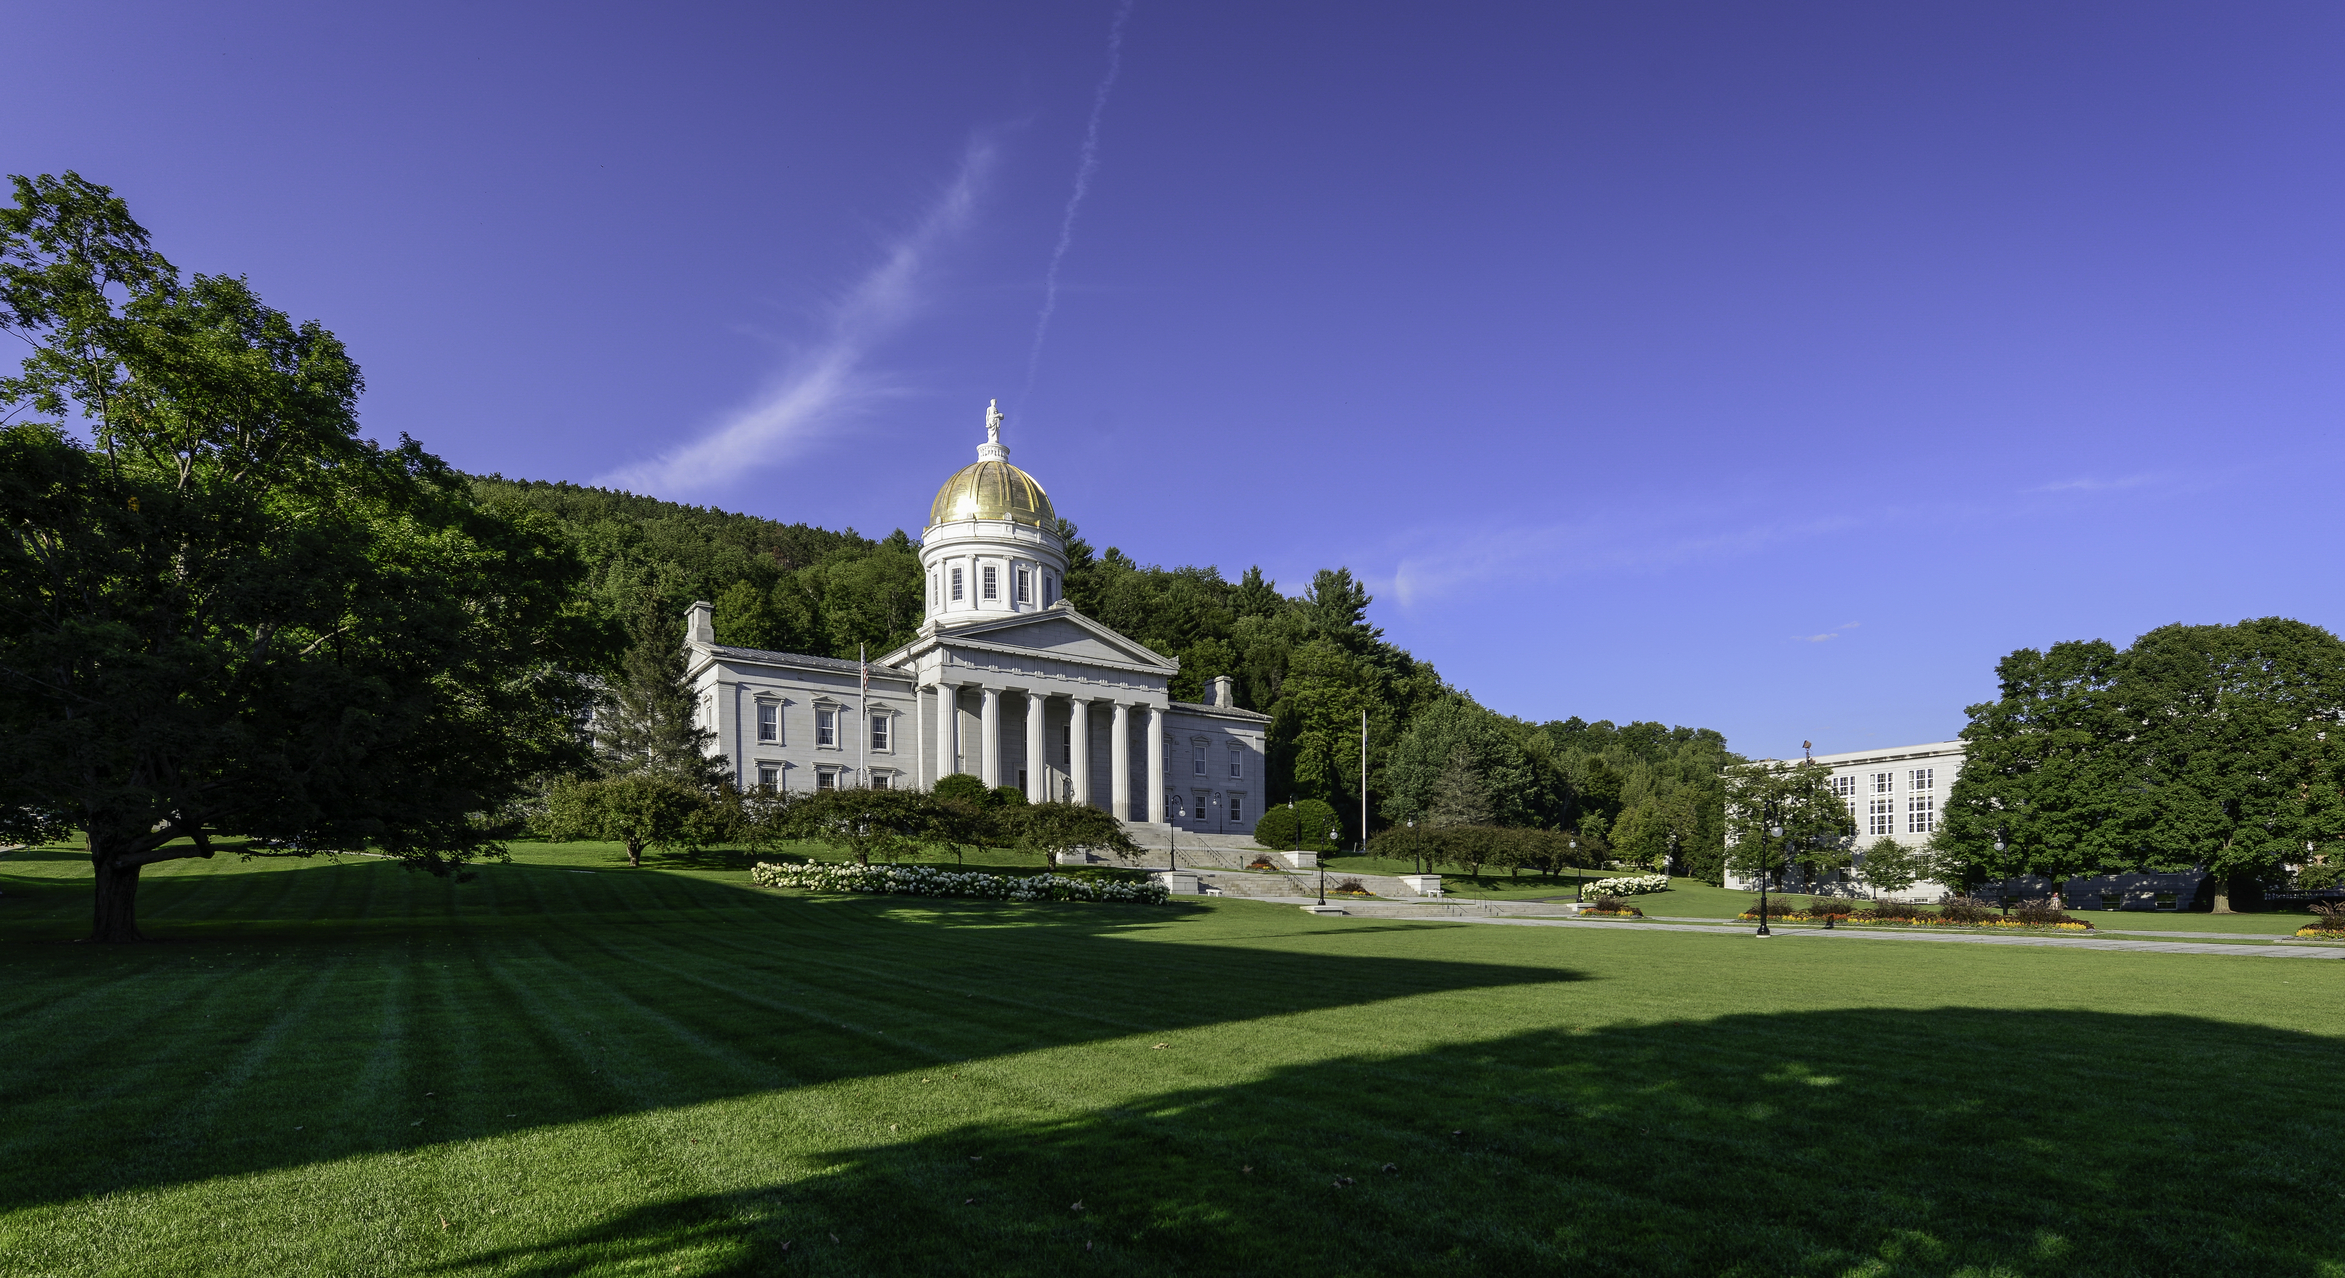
(221,610)
(1796,798)
(2236,740)
(2046,786)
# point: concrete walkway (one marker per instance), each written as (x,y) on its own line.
(2087,941)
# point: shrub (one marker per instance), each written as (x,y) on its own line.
(1631,885)
(920,880)
(1893,910)
(2039,913)
(1351,887)
(2328,918)
(1967,909)
(1778,907)
(1275,828)
(1831,906)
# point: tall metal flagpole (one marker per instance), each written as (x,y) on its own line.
(1363,779)
(863,712)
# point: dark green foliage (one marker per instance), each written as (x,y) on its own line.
(644,722)
(229,612)
(1007,796)
(2213,747)
(645,808)
(1310,819)
(1049,829)
(961,787)
(1798,799)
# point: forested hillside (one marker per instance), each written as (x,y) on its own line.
(1311,660)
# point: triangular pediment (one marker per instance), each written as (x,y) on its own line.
(1063,633)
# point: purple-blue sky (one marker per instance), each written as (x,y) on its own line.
(1773,368)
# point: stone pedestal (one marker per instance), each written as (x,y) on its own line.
(1178,882)
(1300,860)
(1422,884)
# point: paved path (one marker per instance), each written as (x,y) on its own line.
(2084,942)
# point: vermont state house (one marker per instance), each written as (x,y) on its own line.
(1004,680)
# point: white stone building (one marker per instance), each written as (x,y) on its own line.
(1895,792)
(1004,681)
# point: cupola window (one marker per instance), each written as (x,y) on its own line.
(992,582)
(1022,578)
(956,585)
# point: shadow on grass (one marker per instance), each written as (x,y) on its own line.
(1832,1143)
(338,1011)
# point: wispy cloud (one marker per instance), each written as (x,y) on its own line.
(828,382)
(2090,484)
(1086,164)
(1833,633)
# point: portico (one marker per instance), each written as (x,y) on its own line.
(1004,681)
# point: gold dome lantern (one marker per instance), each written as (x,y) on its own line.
(992,490)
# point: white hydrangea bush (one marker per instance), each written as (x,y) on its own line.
(922,880)
(1630,885)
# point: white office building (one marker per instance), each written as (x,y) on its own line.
(1897,793)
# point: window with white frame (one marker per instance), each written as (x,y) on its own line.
(1844,786)
(826,726)
(956,585)
(1197,758)
(769,776)
(1919,779)
(990,579)
(1883,782)
(1050,587)
(879,732)
(1021,581)
(769,722)
(1921,814)
(1237,761)
(1237,807)
(826,779)
(882,781)
(1882,819)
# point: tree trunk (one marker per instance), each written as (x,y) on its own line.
(634,854)
(2244,889)
(114,916)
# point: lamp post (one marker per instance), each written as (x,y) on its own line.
(2006,892)
(1773,832)
(1579,881)
(1416,854)
(1172,832)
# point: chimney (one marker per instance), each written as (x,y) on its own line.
(700,624)
(1221,692)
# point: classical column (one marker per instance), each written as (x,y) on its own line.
(1037,771)
(920,775)
(1119,762)
(989,738)
(1155,743)
(947,762)
(1079,746)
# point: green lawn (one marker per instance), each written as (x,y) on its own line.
(571,1067)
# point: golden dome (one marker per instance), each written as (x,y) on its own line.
(992,490)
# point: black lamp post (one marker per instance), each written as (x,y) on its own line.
(1172,827)
(1773,832)
(1579,881)
(1416,854)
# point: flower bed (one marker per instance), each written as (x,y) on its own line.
(1630,886)
(1922,920)
(1631,912)
(2318,933)
(920,880)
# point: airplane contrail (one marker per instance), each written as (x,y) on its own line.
(1086,165)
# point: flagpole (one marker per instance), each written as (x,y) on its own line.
(863,712)
(1363,778)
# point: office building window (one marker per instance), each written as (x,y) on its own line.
(1020,582)
(1845,787)
(1919,779)
(826,726)
(1882,819)
(769,776)
(1921,814)
(991,582)
(1882,782)
(1197,758)
(1237,761)
(769,723)
(956,585)
(879,732)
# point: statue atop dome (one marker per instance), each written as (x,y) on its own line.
(993,421)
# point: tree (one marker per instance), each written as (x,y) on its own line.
(225,611)
(1055,828)
(1455,752)
(862,823)
(1795,797)
(641,809)
(2045,786)
(2241,765)
(1892,867)
(646,721)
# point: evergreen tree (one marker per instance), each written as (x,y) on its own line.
(647,721)
(1458,795)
